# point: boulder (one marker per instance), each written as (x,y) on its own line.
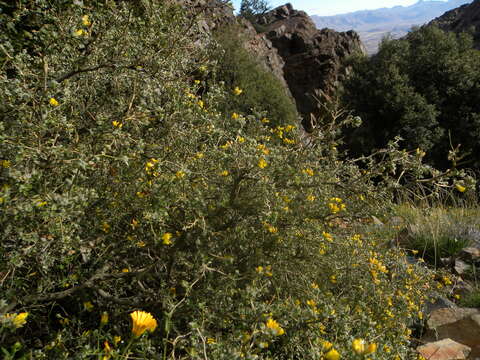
(458,324)
(445,349)
(314,59)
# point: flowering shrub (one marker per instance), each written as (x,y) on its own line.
(124,187)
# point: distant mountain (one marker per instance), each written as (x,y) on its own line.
(373,25)
(464,18)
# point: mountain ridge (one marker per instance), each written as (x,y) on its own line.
(373,25)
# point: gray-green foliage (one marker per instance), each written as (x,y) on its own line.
(126,185)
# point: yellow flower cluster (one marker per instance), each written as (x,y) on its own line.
(53,102)
(327,236)
(271,229)
(375,267)
(308,171)
(142,321)
(262,164)
(237,91)
(150,167)
(267,270)
(360,347)
(274,327)
(167,238)
(263,149)
(17,320)
(280,132)
(336,205)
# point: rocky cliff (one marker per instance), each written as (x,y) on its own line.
(463,18)
(308,61)
(314,59)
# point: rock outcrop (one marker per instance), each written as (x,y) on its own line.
(461,325)
(463,18)
(309,62)
(313,58)
(212,15)
(445,349)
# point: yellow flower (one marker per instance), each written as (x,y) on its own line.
(117,339)
(167,238)
(371,348)
(53,102)
(79,32)
(211,341)
(262,163)
(5,163)
(332,355)
(196,82)
(420,153)
(105,227)
(235,116)
(237,91)
(265,121)
(333,279)
(106,346)
(117,124)
(86,20)
(142,321)
(311,198)
(180,174)
(358,346)
(224,173)
(200,103)
(134,224)
(274,326)
(271,229)
(18,320)
(104,318)
(460,188)
(326,345)
(308,171)
(327,236)
(88,305)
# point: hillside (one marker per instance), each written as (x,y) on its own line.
(373,25)
(465,18)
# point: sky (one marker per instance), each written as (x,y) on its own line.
(333,7)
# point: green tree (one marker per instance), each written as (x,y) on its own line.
(423,88)
(249,9)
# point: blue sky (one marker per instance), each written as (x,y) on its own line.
(332,7)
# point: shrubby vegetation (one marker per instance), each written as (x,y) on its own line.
(129,189)
(424,88)
(261,90)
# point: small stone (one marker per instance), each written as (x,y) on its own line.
(461,267)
